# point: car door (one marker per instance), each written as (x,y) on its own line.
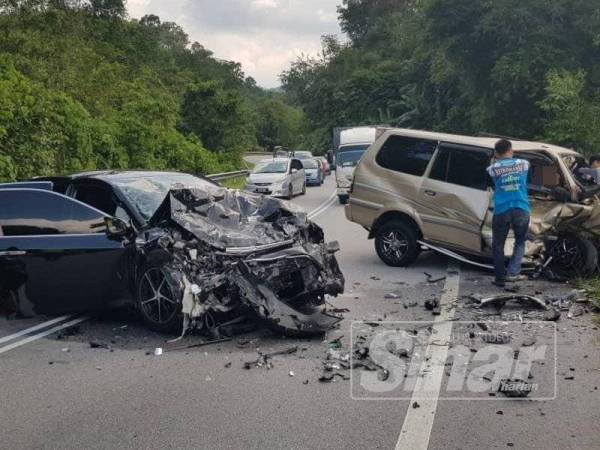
(298,177)
(55,253)
(455,196)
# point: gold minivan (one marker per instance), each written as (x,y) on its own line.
(417,189)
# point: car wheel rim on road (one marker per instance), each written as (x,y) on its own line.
(394,245)
(157,301)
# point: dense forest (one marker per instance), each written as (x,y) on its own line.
(82,86)
(522,68)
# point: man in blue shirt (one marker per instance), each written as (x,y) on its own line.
(511,210)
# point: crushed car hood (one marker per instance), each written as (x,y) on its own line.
(235,252)
(226,218)
(559,218)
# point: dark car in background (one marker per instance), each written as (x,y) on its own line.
(104,239)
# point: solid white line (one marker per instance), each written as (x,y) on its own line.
(418,423)
(34,328)
(322,206)
(35,337)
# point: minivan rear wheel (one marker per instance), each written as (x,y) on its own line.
(396,243)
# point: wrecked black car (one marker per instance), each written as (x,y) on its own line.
(181,249)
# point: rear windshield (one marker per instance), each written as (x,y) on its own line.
(310,164)
(271,167)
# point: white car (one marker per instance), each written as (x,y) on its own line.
(279,177)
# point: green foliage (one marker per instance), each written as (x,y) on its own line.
(218,116)
(573,113)
(41,131)
(278,124)
(464,66)
(84,87)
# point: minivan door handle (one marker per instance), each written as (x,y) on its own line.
(430,193)
(12,253)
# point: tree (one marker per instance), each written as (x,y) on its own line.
(41,132)
(218,116)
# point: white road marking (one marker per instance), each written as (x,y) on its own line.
(418,423)
(322,207)
(34,328)
(35,337)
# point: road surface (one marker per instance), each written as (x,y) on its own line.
(57,392)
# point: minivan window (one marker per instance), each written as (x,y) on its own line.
(406,155)
(36,212)
(462,166)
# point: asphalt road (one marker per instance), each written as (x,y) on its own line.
(57,392)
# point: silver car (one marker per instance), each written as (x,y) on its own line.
(279,177)
(313,172)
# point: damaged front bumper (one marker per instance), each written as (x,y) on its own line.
(280,278)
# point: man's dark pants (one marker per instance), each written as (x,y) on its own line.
(518,220)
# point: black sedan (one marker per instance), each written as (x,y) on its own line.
(175,246)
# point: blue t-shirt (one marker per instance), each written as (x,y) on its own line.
(510,178)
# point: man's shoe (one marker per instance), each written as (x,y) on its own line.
(516,278)
(499,283)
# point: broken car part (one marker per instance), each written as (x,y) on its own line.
(500,300)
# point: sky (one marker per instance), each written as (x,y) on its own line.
(263,35)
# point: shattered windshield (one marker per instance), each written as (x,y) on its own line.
(349,158)
(271,167)
(147,193)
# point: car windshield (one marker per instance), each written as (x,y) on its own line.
(310,164)
(349,158)
(146,193)
(271,167)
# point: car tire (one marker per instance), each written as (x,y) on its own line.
(158,301)
(573,257)
(343,199)
(396,243)
(304,188)
(290,193)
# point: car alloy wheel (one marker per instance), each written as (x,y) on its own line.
(157,301)
(394,245)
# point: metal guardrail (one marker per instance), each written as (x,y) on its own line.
(228,175)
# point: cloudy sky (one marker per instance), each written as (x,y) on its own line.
(264,35)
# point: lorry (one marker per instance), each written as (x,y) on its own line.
(349,144)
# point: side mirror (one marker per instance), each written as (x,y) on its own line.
(116,228)
(294,170)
